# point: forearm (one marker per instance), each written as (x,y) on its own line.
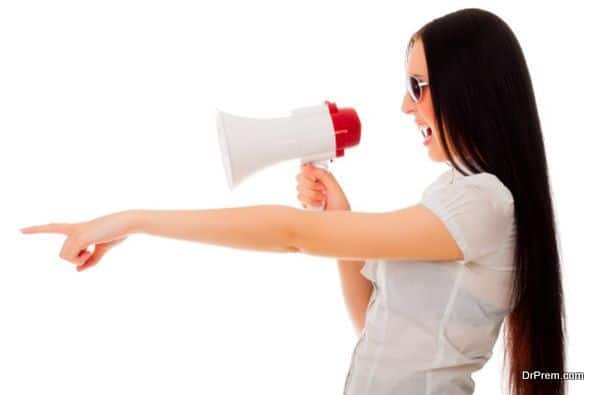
(263,228)
(356,290)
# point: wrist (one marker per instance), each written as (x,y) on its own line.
(133,220)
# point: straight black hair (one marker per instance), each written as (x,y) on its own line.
(485,108)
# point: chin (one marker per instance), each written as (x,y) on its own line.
(434,156)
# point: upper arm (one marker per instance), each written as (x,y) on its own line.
(410,233)
(460,222)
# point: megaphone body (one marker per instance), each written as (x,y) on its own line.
(315,134)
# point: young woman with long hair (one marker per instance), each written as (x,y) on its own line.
(429,286)
(481,96)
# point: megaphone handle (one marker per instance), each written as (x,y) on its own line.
(323,165)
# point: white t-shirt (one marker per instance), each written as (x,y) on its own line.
(430,324)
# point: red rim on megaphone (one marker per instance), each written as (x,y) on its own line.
(346,125)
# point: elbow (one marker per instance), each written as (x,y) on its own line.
(291,241)
(301,234)
(297,242)
(291,249)
(291,233)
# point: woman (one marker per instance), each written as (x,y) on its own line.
(427,286)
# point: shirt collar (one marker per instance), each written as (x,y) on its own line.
(454,173)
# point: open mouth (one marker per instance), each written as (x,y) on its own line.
(427,134)
(425,131)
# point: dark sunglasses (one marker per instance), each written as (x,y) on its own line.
(415,87)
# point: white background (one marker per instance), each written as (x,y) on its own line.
(107,106)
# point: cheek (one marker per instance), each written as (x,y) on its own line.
(426,108)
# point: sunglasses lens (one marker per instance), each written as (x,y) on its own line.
(414,88)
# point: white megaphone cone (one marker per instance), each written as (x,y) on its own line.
(314,134)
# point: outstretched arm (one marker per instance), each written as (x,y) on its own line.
(404,234)
(411,233)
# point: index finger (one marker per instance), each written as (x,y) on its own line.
(48,228)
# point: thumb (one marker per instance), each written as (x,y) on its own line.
(322,175)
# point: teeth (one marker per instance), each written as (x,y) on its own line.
(424,129)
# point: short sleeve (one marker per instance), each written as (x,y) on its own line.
(477,216)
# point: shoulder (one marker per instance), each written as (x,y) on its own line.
(489,187)
(484,186)
(477,209)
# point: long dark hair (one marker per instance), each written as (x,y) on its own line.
(485,106)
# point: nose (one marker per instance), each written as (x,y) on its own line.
(407,104)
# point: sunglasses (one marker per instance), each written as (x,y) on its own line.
(415,87)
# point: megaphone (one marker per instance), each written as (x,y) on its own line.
(315,134)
